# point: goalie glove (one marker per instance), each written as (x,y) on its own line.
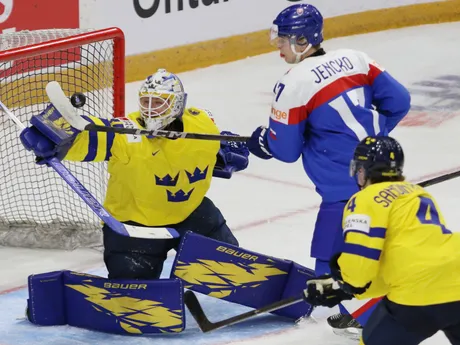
(49,135)
(324,291)
(232,156)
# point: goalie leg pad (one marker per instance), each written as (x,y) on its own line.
(111,306)
(45,305)
(295,282)
(238,275)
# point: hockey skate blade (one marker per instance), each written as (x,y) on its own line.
(350,333)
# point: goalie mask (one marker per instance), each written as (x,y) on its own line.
(161,99)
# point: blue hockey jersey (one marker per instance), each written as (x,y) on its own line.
(324,106)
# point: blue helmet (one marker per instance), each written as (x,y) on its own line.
(302,21)
(380,157)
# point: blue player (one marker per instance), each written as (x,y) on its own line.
(396,245)
(321,109)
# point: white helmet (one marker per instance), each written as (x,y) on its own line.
(161,99)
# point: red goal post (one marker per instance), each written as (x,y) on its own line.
(37,209)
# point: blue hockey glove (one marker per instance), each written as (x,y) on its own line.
(258,143)
(232,156)
(324,291)
(49,135)
(34,140)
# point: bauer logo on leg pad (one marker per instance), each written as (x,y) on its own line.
(231,273)
(238,253)
(123,307)
(224,271)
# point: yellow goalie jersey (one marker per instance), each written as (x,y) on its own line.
(153,181)
(396,238)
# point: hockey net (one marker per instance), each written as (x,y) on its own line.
(37,208)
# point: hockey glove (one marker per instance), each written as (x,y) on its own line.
(258,143)
(49,136)
(232,156)
(324,291)
(336,273)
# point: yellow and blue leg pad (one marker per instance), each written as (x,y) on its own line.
(241,276)
(112,306)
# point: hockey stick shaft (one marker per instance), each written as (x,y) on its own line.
(194,306)
(439,179)
(91,201)
(62,104)
(164,134)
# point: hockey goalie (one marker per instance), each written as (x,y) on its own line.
(155,182)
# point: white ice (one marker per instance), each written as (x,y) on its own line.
(272,205)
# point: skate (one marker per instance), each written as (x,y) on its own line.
(345,325)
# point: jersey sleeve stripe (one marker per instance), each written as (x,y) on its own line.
(335,88)
(101,149)
(297,115)
(373,232)
(92,143)
(365,252)
(373,73)
(110,138)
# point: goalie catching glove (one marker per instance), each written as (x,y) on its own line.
(49,135)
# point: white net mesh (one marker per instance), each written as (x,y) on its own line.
(37,208)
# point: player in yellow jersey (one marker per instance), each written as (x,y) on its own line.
(154,181)
(396,245)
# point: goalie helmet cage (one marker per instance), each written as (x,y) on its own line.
(37,208)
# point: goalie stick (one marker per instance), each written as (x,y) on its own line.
(90,200)
(62,104)
(195,308)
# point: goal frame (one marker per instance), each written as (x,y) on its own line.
(51,46)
